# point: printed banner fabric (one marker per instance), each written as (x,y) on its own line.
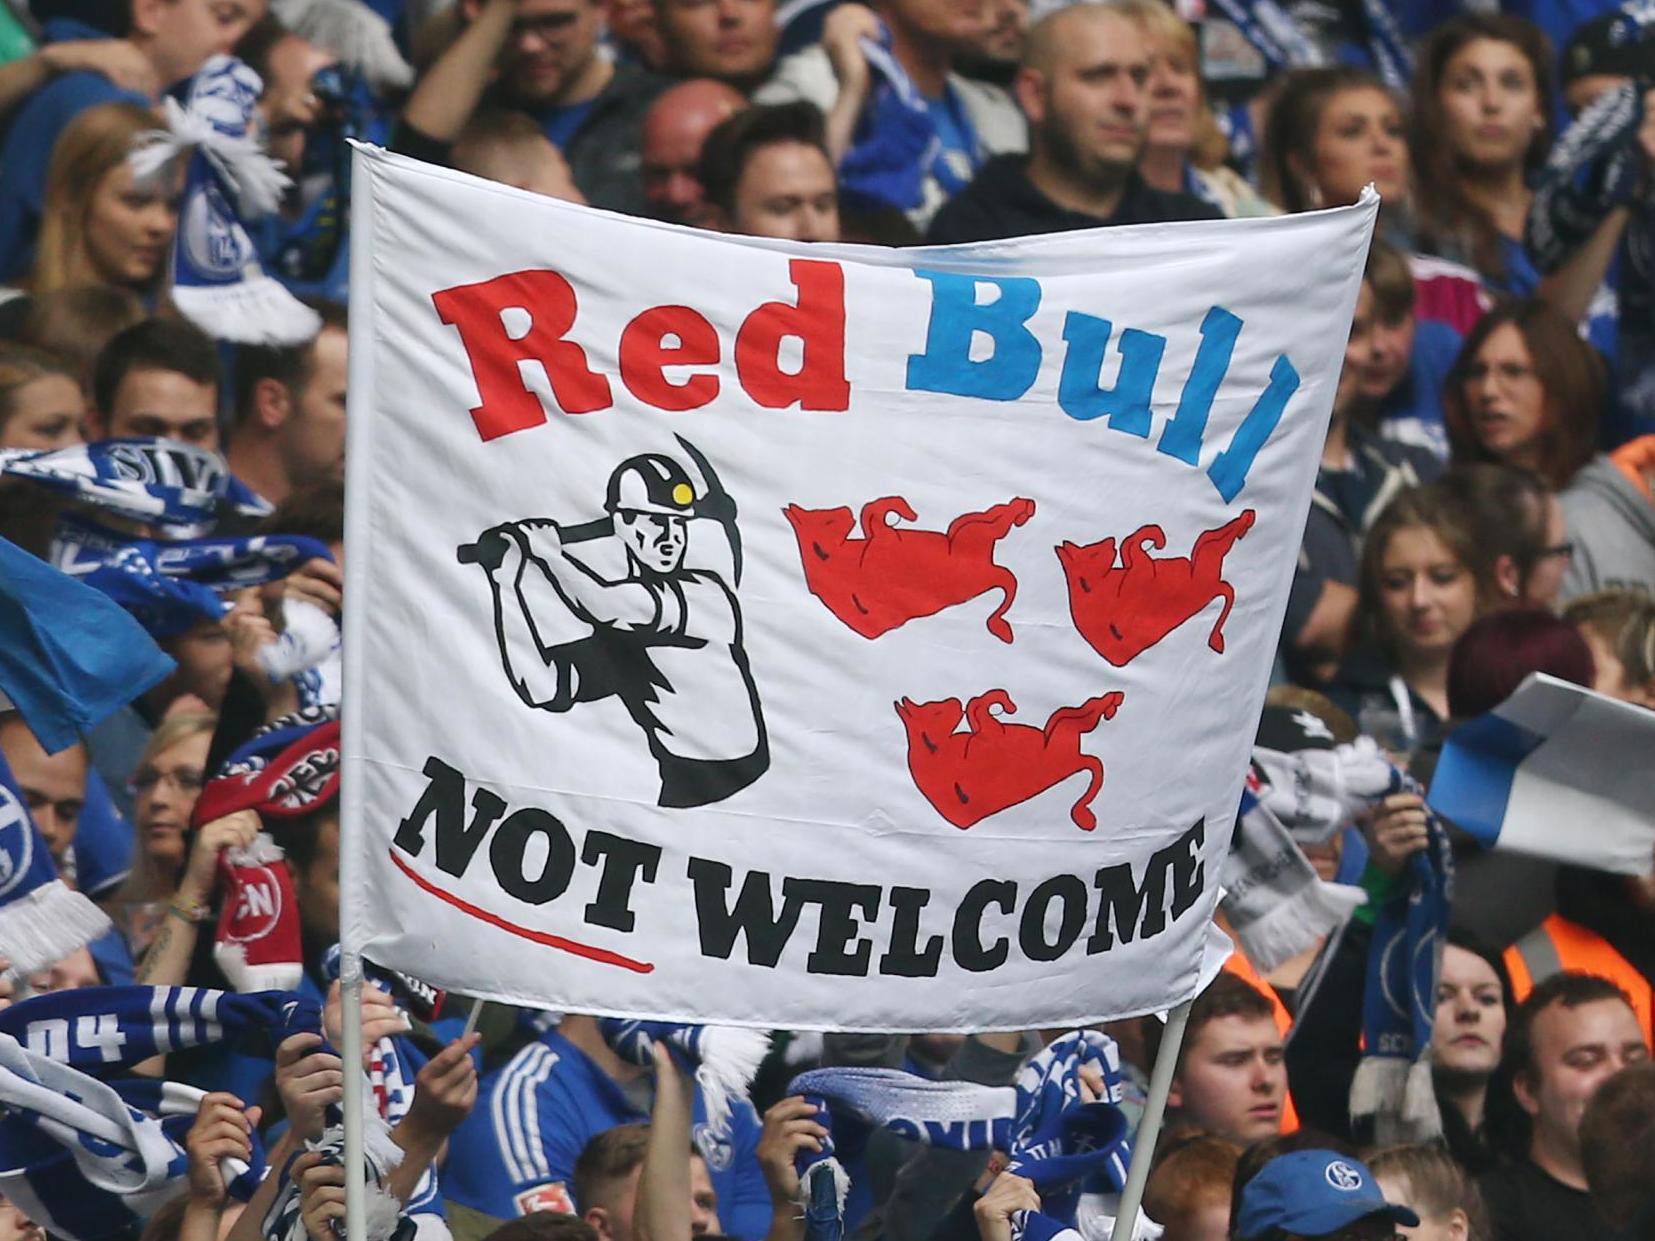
(812,636)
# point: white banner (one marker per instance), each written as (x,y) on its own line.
(811,636)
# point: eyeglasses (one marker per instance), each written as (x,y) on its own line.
(184,780)
(1506,372)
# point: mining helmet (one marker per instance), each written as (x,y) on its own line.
(651,483)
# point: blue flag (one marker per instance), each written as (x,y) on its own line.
(69,656)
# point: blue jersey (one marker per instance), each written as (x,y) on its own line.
(516,1152)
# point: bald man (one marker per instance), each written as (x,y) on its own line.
(675,127)
(1083,85)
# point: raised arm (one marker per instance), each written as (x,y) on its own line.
(664,1186)
(450,90)
(624,605)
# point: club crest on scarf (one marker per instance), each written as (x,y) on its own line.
(17,842)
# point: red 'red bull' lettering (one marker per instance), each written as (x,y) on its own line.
(543,311)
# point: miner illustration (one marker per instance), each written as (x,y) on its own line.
(664,638)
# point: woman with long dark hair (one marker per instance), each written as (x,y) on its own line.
(1527,391)
(1481,129)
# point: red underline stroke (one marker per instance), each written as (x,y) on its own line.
(601,955)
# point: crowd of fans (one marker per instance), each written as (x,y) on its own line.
(1485,508)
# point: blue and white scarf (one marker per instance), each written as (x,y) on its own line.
(386,1219)
(724,1059)
(91,1159)
(169,587)
(1068,1148)
(1273,33)
(179,487)
(1393,1081)
(83,1160)
(107,1030)
(217,282)
(1594,167)
(1276,904)
(393,1064)
(42,919)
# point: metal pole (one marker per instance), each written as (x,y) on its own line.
(356,1192)
(471,1017)
(1155,1107)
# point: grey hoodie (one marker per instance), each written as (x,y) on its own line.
(1612,525)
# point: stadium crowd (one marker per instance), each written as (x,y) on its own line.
(1484,509)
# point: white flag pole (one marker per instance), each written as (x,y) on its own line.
(356,1190)
(352,821)
(1155,1107)
(471,1017)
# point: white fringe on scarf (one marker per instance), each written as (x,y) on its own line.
(1293,926)
(258,180)
(730,1059)
(45,925)
(1399,1095)
(256,311)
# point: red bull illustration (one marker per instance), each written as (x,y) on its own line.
(967,776)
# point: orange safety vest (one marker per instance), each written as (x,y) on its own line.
(1557,945)
(1243,969)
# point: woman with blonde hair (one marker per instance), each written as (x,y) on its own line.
(1184,150)
(173,877)
(99,226)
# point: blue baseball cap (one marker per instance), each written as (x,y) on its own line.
(1313,1193)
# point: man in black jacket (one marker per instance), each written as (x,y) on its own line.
(1083,87)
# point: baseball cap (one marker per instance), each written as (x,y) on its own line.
(1605,45)
(1313,1193)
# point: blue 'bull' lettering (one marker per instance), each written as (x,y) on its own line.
(1013,362)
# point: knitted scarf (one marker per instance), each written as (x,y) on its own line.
(289,768)
(1066,1147)
(1273,900)
(169,587)
(91,1159)
(1393,1081)
(42,919)
(217,282)
(724,1059)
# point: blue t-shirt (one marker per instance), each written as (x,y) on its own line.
(27,151)
(561,124)
(516,1152)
